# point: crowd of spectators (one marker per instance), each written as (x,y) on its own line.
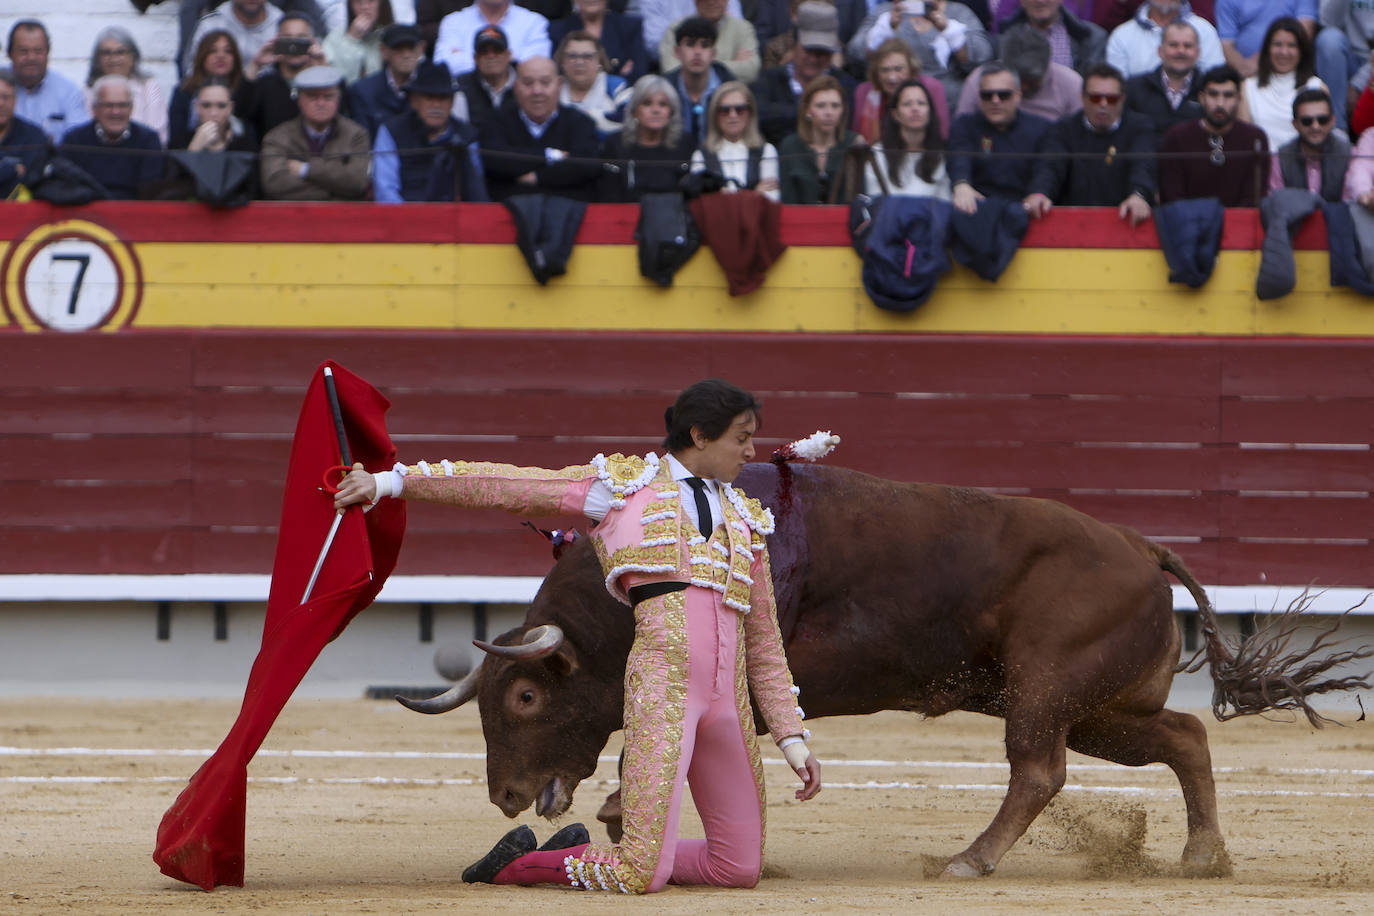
(1108,103)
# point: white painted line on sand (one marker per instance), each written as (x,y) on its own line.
(610,783)
(997,765)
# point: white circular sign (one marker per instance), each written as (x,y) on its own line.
(71,284)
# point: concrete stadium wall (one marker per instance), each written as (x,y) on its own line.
(73,25)
(115,648)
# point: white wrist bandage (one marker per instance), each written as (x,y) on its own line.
(794,749)
(383,481)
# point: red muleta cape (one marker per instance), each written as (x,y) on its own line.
(201,837)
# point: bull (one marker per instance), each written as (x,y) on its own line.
(924,598)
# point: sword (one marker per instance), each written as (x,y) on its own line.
(347,457)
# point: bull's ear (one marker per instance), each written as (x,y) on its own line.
(563,662)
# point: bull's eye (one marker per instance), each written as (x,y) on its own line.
(525,698)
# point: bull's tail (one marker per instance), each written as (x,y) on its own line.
(1261,672)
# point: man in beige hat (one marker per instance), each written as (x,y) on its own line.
(779,89)
(319,154)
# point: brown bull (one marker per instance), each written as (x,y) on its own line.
(922,598)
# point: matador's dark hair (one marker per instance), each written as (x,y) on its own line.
(711,406)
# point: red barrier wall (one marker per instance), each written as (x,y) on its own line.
(145,452)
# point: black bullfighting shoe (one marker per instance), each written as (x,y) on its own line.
(566,838)
(507,849)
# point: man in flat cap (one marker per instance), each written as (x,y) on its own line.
(319,154)
(378,96)
(425,153)
(487,89)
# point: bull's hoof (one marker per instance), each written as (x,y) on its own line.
(1206,859)
(571,835)
(961,867)
(610,815)
(507,849)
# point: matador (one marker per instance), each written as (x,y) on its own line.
(687,551)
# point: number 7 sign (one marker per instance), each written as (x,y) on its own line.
(71,276)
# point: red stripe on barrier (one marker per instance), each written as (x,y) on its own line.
(605,224)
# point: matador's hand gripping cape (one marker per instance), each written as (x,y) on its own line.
(201,837)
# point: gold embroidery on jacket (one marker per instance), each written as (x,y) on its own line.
(655,705)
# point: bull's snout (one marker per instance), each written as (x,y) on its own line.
(508,800)
(551,799)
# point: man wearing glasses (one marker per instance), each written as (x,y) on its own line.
(1100,156)
(117,151)
(1316,159)
(990,149)
(1218,155)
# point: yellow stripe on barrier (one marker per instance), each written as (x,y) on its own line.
(811,289)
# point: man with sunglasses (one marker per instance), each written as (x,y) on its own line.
(1048,89)
(1101,156)
(990,150)
(1316,160)
(1218,155)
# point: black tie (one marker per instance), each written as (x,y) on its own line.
(703,507)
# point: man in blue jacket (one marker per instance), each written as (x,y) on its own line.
(424,153)
(379,96)
(990,150)
(23,145)
(117,151)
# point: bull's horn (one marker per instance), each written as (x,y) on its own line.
(539,642)
(450,699)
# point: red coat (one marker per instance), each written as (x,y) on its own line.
(744,230)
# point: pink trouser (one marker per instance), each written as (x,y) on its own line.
(716,754)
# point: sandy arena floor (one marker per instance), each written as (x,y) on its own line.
(83,786)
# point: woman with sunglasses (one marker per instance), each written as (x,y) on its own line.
(116,54)
(1286,66)
(911,151)
(733,146)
